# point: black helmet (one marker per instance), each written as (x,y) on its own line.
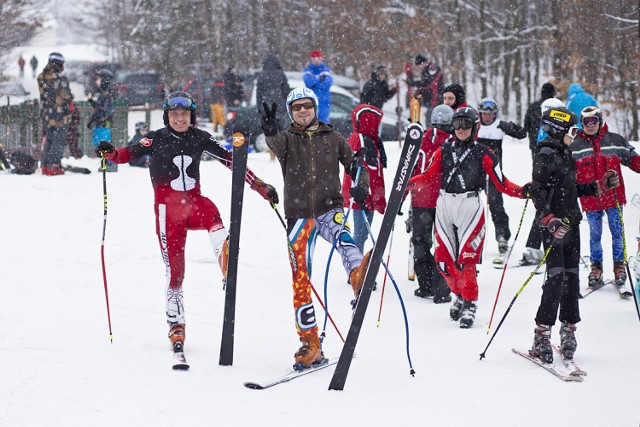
(179,101)
(56,57)
(465,118)
(557,121)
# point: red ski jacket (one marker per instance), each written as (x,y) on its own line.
(596,154)
(426,197)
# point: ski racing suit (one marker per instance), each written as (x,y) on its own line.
(174,167)
(460,222)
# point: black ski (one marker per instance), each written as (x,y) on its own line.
(75,169)
(240,151)
(408,158)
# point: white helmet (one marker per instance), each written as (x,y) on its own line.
(299,93)
(550,103)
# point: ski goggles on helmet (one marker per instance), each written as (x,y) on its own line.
(462,123)
(180,102)
(305,105)
(590,121)
(573,131)
(488,107)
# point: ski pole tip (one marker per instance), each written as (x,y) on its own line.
(482,356)
(111,338)
(412,372)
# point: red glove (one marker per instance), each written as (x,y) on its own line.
(556,226)
(268,192)
(609,180)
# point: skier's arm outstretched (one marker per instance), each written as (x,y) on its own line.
(491,166)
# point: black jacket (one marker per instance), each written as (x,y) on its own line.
(376,92)
(272,85)
(554,188)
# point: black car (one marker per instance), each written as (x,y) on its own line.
(140,88)
(246,118)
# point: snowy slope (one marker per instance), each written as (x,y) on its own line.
(59,368)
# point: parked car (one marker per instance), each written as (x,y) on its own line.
(140,88)
(89,73)
(246,118)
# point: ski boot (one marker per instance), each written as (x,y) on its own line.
(503,246)
(423,292)
(541,345)
(468,315)
(595,275)
(310,353)
(176,333)
(568,343)
(531,256)
(619,273)
(356,277)
(455,311)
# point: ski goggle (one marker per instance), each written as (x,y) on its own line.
(488,107)
(180,102)
(305,105)
(573,131)
(462,123)
(590,121)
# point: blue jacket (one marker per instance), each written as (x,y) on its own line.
(319,79)
(578,99)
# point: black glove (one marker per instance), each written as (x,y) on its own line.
(556,226)
(269,120)
(357,161)
(268,192)
(371,153)
(526,190)
(359,195)
(104,148)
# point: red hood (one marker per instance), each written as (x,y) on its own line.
(366,120)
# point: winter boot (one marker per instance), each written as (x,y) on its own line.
(455,311)
(595,276)
(223,258)
(568,343)
(620,273)
(176,333)
(541,345)
(468,315)
(309,353)
(423,292)
(503,246)
(356,277)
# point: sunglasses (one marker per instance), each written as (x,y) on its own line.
(590,121)
(305,105)
(180,102)
(462,123)
(573,131)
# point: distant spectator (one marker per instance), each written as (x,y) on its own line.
(317,76)
(427,79)
(34,66)
(578,100)
(104,105)
(376,91)
(142,129)
(217,105)
(55,97)
(534,115)
(233,90)
(21,63)
(272,86)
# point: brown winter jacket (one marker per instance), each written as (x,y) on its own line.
(310,164)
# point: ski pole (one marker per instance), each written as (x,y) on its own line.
(292,257)
(624,246)
(395,286)
(544,258)
(384,282)
(104,232)
(506,262)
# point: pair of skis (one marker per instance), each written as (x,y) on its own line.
(569,371)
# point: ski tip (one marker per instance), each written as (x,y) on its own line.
(181,367)
(253,386)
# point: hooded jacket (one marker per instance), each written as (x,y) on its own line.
(272,85)
(596,154)
(366,122)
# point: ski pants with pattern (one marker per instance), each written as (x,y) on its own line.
(178,212)
(302,236)
(460,231)
(562,287)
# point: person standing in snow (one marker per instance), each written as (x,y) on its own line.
(310,153)
(376,91)
(233,88)
(34,66)
(55,100)
(174,154)
(491,134)
(272,86)
(428,82)
(460,224)
(423,210)
(366,122)
(317,76)
(104,105)
(554,191)
(597,151)
(21,64)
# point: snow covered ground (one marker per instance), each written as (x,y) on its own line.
(60,368)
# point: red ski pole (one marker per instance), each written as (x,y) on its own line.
(104,232)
